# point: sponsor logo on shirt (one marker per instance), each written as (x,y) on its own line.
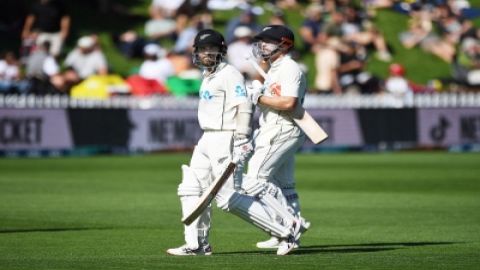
(240,91)
(275,89)
(205,94)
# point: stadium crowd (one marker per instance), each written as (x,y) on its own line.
(339,34)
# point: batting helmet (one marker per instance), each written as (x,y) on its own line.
(203,42)
(278,35)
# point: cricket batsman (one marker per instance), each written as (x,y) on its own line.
(224,114)
(271,168)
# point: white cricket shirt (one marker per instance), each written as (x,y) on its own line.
(220,94)
(286,76)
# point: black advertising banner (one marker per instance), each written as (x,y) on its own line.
(100,127)
(388,126)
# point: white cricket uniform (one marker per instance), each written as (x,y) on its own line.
(278,137)
(220,94)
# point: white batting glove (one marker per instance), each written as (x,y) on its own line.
(255,91)
(242,149)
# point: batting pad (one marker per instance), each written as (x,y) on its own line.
(253,212)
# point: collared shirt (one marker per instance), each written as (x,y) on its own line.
(220,94)
(284,78)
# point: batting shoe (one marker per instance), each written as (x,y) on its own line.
(184,250)
(291,242)
(286,246)
(273,242)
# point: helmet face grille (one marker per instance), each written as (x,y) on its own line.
(207,59)
(209,49)
(264,50)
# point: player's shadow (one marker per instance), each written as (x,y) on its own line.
(347,248)
(29,230)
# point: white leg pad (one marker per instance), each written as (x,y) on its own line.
(189,192)
(252,211)
(270,195)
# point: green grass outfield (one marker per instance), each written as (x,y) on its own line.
(368,211)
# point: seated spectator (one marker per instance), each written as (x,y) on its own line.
(466,67)
(156,65)
(49,21)
(160,25)
(247,18)
(10,77)
(130,43)
(421,32)
(352,73)
(86,60)
(356,27)
(153,74)
(43,71)
(238,49)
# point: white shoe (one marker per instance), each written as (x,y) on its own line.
(286,246)
(273,242)
(305,225)
(186,251)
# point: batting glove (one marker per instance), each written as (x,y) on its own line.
(242,149)
(255,91)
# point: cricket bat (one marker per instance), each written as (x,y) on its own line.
(300,116)
(210,193)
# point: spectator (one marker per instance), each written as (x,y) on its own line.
(48,21)
(156,65)
(86,60)
(357,28)
(399,88)
(153,73)
(160,25)
(247,18)
(169,7)
(311,29)
(10,77)
(238,49)
(185,38)
(193,8)
(327,62)
(353,76)
(43,71)
(466,67)
(277,18)
(82,62)
(396,83)
(421,32)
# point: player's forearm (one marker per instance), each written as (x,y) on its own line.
(244,120)
(278,102)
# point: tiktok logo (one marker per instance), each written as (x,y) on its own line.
(438,132)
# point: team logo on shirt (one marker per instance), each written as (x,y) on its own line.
(205,94)
(240,91)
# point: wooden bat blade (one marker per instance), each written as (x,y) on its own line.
(209,194)
(311,128)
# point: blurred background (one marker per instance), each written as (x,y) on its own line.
(116,76)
